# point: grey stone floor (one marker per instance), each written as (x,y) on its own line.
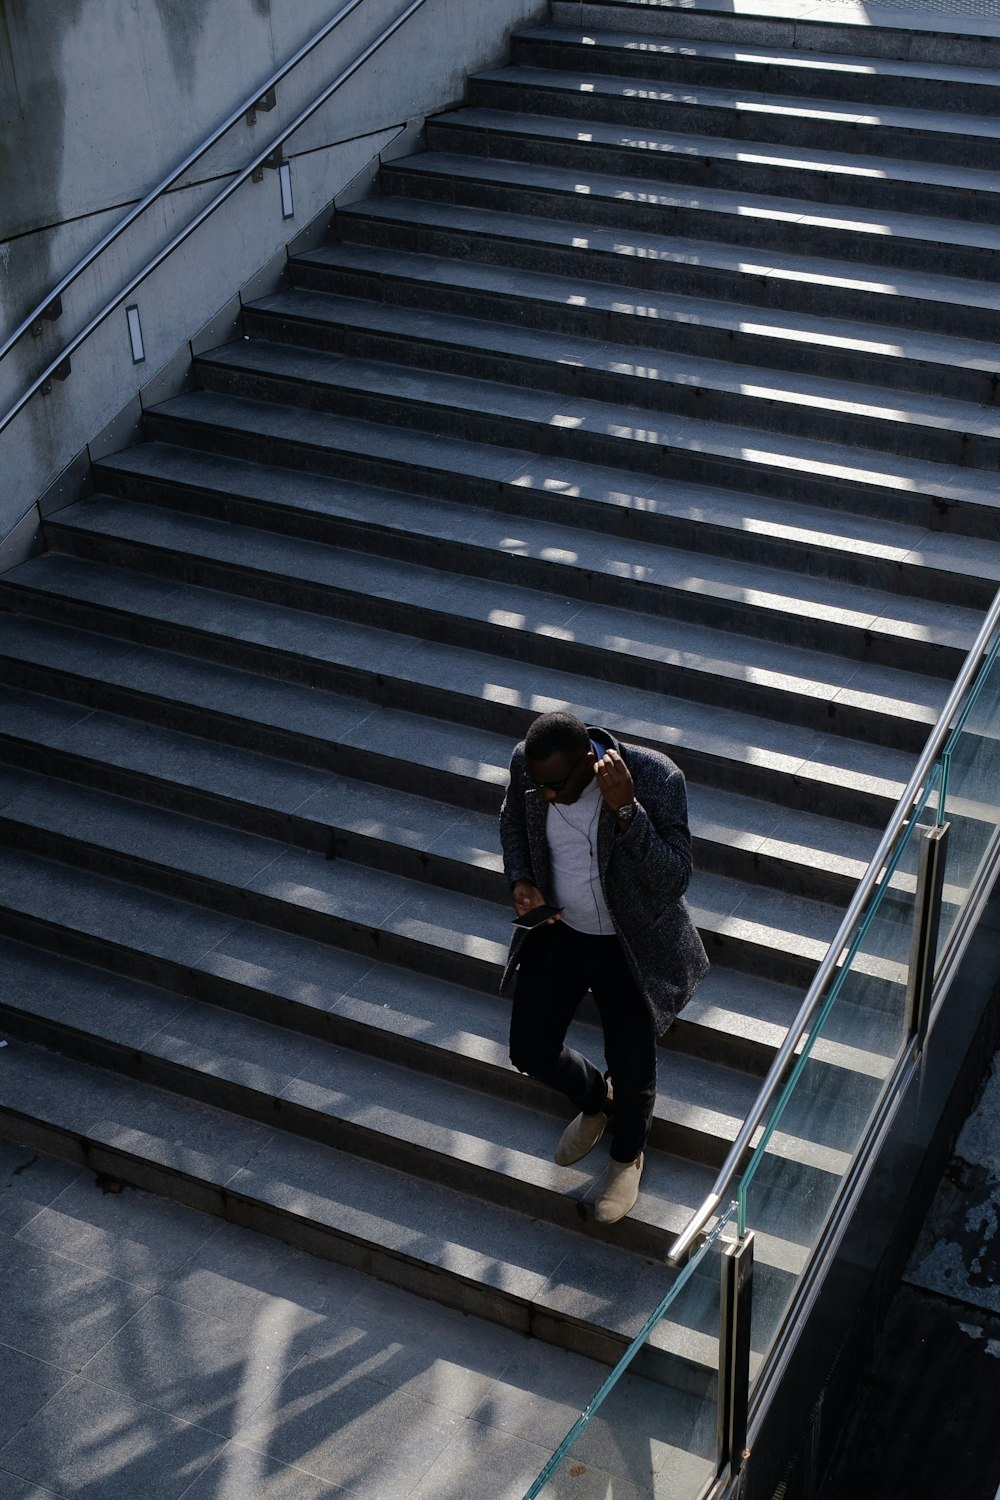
(150,1352)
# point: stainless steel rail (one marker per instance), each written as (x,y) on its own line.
(772,1084)
(189,161)
(259,160)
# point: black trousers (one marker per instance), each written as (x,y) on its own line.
(557,967)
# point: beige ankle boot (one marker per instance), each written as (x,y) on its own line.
(581,1135)
(618,1190)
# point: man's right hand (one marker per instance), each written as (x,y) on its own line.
(526,897)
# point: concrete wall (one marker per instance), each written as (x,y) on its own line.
(100,99)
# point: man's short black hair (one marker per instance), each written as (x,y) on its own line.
(556,734)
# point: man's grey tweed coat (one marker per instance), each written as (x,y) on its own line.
(644,873)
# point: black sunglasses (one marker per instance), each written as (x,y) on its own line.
(557,786)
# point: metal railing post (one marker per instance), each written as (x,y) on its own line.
(734,1352)
(926,922)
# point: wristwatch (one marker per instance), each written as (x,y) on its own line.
(627,813)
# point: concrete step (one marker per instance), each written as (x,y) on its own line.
(386,826)
(331,589)
(763,223)
(495,1262)
(964,35)
(234,876)
(910,360)
(922,135)
(494,1144)
(817,175)
(770,276)
(866,624)
(111,887)
(806,404)
(577,427)
(441,1028)
(492,1149)
(378,716)
(475,542)
(836,62)
(461,1124)
(865,555)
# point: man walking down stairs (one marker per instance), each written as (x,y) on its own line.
(605,831)
(658,390)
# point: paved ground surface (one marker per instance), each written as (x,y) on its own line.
(150,1352)
(927,1419)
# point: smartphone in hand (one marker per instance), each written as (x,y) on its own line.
(536,916)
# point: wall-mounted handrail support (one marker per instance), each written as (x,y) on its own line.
(60,371)
(262,99)
(927,920)
(268,156)
(734,1353)
(273,162)
(267,101)
(49,312)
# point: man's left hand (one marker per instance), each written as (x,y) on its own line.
(614,780)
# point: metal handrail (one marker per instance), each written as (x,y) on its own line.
(178,172)
(682,1245)
(261,158)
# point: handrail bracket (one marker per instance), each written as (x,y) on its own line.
(60,372)
(263,105)
(48,314)
(273,161)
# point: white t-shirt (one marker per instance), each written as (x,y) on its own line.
(571,834)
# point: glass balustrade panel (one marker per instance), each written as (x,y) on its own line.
(651,1430)
(972,792)
(840,1073)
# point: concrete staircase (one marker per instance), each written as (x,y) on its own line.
(661,386)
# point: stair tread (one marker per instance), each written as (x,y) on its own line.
(751,261)
(658,568)
(447,1118)
(335,717)
(785,521)
(337,802)
(672,642)
(584,414)
(318,986)
(832,62)
(610,85)
(543,1266)
(650,364)
(792,327)
(894,223)
(293,880)
(651,141)
(752,1009)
